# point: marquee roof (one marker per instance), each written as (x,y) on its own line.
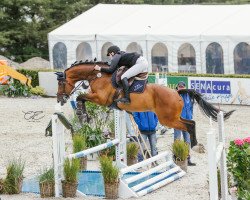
(111,22)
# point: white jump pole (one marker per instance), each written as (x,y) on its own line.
(94,149)
(223,165)
(120,134)
(213,180)
(58,149)
(216,155)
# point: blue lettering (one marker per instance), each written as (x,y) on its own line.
(211,87)
(203,86)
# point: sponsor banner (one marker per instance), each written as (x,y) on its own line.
(169,81)
(222,90)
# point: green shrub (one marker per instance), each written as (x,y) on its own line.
(110,152)
(70,170)
(14,176)
(37,91)
(79,143)
(180,150)
(93,135)
(47,175)
(32,74)
(109,171)
(15,89)
(132,150)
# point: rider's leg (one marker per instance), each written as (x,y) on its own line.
(140,66)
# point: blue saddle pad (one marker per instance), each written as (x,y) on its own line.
(138,86)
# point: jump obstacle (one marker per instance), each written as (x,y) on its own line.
(217,155)
(134,186)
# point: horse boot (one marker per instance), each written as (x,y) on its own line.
(126,98)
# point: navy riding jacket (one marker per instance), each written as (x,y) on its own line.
(121,59)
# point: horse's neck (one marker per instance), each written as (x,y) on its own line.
(85,72)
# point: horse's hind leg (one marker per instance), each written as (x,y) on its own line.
(184,125)
(191,129)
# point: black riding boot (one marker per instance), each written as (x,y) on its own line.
(126,98)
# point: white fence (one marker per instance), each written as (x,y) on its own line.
(168,171)
(217,155)
(59,146)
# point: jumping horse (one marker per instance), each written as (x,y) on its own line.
(165,102)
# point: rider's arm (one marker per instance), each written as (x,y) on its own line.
(113,65)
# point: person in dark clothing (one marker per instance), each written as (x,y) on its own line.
(187,113)
(134,61)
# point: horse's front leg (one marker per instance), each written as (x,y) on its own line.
(93,97)
(81,111)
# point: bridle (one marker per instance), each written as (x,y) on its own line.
(61,77)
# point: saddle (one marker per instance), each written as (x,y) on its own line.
(137,83)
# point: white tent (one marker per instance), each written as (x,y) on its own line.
(211,38)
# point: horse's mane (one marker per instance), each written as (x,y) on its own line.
(77,63)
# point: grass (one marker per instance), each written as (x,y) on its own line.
(132,150)
(14,176)
(47,175)
(180,150)
(79,143)
(71,168)
(109,171)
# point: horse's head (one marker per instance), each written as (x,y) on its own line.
(64,88)
(66,80)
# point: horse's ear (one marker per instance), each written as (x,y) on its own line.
(60,75)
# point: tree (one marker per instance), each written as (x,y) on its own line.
(26,23)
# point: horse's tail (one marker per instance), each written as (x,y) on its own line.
(208,108)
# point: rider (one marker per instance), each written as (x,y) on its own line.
(134,61)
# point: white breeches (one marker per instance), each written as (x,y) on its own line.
(140,66)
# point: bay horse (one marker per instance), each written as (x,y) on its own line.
(165,102)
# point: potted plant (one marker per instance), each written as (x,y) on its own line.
(132,152)
(238,162)
(180,151)
(69,184)
(111,177)
(47,183)
(79,144)
(14,179)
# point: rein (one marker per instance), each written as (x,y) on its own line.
(82,83)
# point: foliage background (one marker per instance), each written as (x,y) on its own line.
(26,23)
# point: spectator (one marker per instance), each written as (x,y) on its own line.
(187,113)
(147,122)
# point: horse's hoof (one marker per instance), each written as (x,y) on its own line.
(199,148)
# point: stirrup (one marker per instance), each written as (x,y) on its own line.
(123,100)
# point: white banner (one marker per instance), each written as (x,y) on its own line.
(222,90)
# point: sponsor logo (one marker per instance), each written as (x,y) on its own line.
(211,87)
(137,87)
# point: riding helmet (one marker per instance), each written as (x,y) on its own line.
(114,49)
